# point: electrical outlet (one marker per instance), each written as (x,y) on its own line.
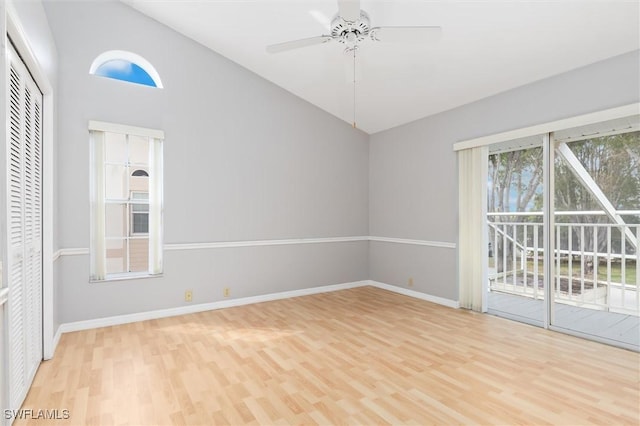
(410,283)
(188,295)
(226,292)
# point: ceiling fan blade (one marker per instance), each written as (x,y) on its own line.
(296,44)
(321,18)
(349,10)
(406,34)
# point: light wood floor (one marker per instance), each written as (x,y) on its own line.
(360,356)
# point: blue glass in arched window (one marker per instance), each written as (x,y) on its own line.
(120,69)
(125,66)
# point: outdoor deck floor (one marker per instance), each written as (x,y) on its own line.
(609,327)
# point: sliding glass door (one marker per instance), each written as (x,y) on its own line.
(563,224)
(597,225)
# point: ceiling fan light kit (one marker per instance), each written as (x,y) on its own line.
(350,33)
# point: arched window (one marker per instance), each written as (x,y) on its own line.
(125,66)
(140,173)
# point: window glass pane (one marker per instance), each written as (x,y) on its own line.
(613,162)
(139,255)
(142,196)
(116,182)
(515,182)
(116,220)
(138,150)
(139,183)
(115,148)
(125,70)
(116,256)
(140,223)
(140,207)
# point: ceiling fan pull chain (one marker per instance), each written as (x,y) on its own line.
(354,88)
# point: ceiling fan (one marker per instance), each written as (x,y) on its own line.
(351,26)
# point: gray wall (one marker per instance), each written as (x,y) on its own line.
(413,173)
(244,160)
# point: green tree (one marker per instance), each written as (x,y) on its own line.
(516,174)
(614,164)
(515,181)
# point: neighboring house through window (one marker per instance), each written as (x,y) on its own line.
(139,202)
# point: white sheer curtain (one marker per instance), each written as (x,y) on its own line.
(472,227)
(155,206)
(98,244)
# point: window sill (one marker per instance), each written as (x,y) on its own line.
(126,277)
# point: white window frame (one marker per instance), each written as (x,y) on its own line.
(98,272)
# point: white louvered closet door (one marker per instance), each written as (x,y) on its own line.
(24,233)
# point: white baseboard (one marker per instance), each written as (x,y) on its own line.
(412,293)
(183,310)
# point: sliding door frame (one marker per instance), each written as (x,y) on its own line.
(546,130)
(548,225)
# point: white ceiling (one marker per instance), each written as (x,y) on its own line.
(486,47)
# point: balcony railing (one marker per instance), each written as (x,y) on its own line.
(596,264)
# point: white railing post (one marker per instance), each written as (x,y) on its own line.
(558,259)
(524,257)
(638,270)
(570,262)
(582,263)
(608,267)
(496,259)
(595,264)
(623,264)
(535,261)
(504,256)
(514,258)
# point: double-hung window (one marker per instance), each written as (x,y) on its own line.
(126,201)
